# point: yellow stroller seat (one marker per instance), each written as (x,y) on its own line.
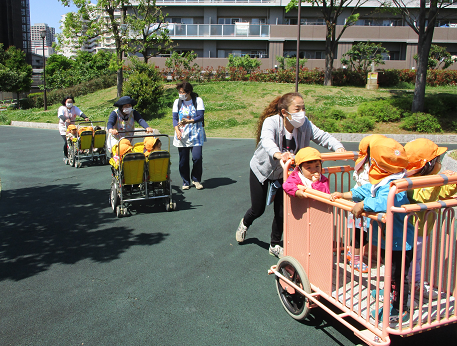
(158,166)
(132,168)
(99,139)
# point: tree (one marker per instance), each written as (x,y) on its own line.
(149,33)
(15,73)
(290,63)
(108,18)
(331,10)
(363,54)
(423,23)
(438,56)
(245,62)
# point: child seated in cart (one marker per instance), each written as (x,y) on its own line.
(388,163)
(424,159)
(117,154)
(151,144)
(71,132)
(307,174)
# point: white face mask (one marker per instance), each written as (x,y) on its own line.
(183,97)
(296,119)
(69,105)
(127,110)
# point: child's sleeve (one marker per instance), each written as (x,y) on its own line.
(448,190)
(359,193)
(290,186)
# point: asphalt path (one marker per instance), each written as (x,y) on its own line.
(71,273)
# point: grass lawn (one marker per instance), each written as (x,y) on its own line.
(232,108)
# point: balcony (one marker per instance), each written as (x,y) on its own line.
(237,30)
(218,2)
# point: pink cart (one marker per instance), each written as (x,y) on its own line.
(315,271)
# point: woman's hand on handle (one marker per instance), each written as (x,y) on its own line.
(340,150)
(149,130)
(113,132)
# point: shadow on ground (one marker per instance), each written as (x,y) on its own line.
(73,227)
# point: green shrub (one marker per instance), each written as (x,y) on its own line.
(357,124)
(326,124)
(440,104)
(421,122)
(336,114)
(381,111)
(144,84)
(223,123)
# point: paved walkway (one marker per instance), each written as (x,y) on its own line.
(71,273)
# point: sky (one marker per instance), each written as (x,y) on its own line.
(49,12)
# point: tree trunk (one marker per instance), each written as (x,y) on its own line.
(329,54)
(120,80)
(423,49)
(421,76)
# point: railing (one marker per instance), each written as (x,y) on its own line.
(220,30)
(158,2)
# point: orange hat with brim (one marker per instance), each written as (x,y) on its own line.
(307,154)
(124,147)
(363,149)
(149,144)
(420,151)
(71,127)
(387,157)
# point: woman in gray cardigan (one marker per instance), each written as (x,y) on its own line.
(282,130)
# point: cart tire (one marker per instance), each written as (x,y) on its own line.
(71,156)
(295,304)
(114,198)
(79,165)
(119,211)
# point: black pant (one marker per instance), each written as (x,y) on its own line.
(65,149)
(396,277)
(258,202)
(184,164)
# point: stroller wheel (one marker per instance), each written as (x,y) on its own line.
(114,198)
(119,211)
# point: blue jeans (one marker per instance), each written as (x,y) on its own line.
(184,164)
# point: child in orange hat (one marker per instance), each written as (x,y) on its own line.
(117,154)
(424,159)
(151,144)
(71,132)
(361,177)
(388,162)
(307,174)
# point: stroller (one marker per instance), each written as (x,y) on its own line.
(139,178)
(90,144)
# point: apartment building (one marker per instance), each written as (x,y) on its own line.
(37,41)
(213,29)
(15,25)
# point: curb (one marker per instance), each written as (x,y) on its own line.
(342,137)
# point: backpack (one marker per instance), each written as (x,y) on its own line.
(194,102)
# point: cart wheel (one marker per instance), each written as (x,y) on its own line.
(71,156)
(114,198)
(119,211)
(102,160)
(79,165)
(293,302)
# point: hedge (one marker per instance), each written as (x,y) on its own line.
(341,77)
(56,96)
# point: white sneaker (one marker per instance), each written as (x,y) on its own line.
(426,291)
(241,232)
(277,251)
(198,185)
(185,187)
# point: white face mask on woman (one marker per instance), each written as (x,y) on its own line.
(183,97)
(127,110)
(69,105)
(296,119)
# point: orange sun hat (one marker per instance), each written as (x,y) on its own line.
(363,149)
(387,157)
(124,147)
(420,151)
(149,144)
(307,154)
